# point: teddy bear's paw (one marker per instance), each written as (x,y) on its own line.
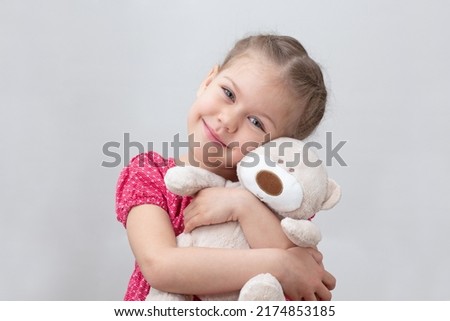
(263,287)
(179,182)
(188,180)
(301,232)
(157,295)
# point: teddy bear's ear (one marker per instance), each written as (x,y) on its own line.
(333,195)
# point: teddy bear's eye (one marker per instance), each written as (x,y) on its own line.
(291,170)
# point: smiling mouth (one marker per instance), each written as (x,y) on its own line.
(212,135)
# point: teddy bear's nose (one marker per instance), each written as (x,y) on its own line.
(269,183)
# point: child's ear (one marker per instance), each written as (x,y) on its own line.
(205,83)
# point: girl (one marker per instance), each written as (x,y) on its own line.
(267,87)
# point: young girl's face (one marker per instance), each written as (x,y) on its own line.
(237,109)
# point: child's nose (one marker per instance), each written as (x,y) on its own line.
(229,119)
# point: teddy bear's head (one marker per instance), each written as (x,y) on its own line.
(289,178)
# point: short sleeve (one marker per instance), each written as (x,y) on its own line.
(141,182)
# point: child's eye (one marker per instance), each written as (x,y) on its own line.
(229,94)
(257,123)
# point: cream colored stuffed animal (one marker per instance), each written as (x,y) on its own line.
(284,174)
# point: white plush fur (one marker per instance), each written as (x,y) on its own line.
(305,191)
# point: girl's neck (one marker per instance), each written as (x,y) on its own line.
(228,173)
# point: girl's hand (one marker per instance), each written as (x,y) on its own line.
(212,205)
(301,271)
(219,204)
(305,277)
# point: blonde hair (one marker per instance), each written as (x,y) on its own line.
(302,75)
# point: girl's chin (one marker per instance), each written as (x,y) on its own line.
(213,160)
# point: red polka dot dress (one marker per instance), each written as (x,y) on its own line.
(142,182)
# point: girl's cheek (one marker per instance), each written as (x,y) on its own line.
(237,156)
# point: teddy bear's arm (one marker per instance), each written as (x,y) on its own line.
(188,180)
(301,232)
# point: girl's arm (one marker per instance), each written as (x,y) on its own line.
(209,271)
(220,204)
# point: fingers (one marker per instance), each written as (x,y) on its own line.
(189,217)
(322,290)
(318,257)
(194,216)
(192,223)
(188,227)
(309,297)
(323,294)
(329,281)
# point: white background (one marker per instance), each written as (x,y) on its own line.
(75,75)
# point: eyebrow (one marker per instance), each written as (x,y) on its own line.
(270,119)
(236,87)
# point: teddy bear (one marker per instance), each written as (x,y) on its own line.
(284,174)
